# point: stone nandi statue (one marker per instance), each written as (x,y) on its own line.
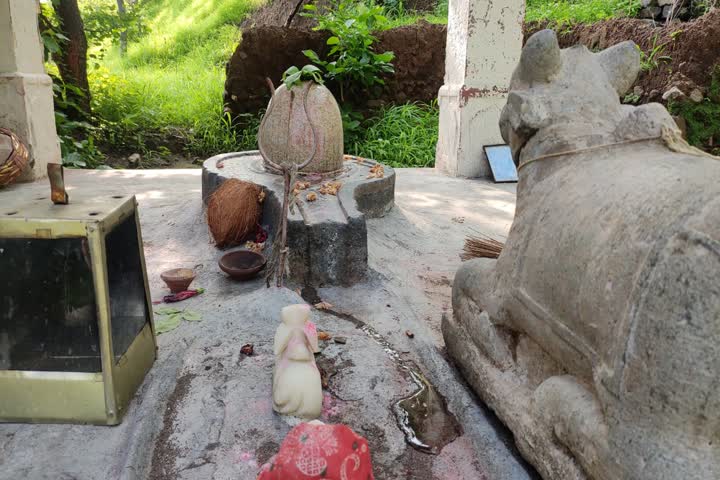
(595,336)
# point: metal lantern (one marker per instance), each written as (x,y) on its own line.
(76,329)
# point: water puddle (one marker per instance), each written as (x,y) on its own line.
(422,416)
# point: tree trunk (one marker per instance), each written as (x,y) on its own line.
(123,34)
(72,58)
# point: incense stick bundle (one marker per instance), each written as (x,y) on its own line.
(481,247)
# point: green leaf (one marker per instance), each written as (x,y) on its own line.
(167,311)
(51,45)
(312,55)
(333,41)
(310,69)
(191,316)
(167,323)
(291,80)
(290,71)
(385,57)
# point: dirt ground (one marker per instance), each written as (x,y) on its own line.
(267,51)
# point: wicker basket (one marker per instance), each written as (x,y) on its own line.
(12,167)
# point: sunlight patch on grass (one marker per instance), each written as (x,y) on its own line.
(579,11)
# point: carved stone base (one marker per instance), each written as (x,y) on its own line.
(327,238)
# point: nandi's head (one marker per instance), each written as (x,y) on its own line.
(573,90)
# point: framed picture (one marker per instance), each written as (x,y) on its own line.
(501,163)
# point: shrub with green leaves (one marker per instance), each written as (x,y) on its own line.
(703,119)
(351,61)
(77,137)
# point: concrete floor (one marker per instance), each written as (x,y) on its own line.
(205,411)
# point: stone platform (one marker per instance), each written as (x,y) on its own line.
(204,411)
(327,237)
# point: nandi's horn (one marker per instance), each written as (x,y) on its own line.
(540,58)
(622,65)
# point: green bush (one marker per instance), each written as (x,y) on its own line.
(76,136)
(703,119)
(351,61)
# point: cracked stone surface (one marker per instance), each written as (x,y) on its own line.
(204,410)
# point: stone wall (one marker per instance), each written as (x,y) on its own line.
(662,10)
(267,51)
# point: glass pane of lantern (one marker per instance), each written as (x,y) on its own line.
(128,308)
(48,319)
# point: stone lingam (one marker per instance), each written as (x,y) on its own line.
(595,336)
(333,193)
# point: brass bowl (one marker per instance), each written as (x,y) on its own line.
(242,264)
(178,279)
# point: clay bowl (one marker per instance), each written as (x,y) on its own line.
(242,264)
(178,279)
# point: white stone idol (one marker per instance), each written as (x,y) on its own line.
(297,389)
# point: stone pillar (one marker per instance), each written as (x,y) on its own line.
(484,40)
(26,100)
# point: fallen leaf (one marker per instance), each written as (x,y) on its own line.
(324,336)
(255,246)
(247,349)
(311,197)
(167,323)
(323,305)
(324,380)
(191,316)
(377,171)
(299,186)
(330,188)
(170,318)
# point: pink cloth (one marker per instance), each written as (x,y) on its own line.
(318,451)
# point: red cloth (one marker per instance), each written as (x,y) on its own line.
(318,451)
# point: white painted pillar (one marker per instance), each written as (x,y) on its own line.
(26,100)
(484,40)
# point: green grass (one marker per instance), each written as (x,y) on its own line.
(579,11)
(168,88)
(399,136)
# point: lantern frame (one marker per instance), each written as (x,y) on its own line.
(79,397)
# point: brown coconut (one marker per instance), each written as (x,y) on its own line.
(234,212)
